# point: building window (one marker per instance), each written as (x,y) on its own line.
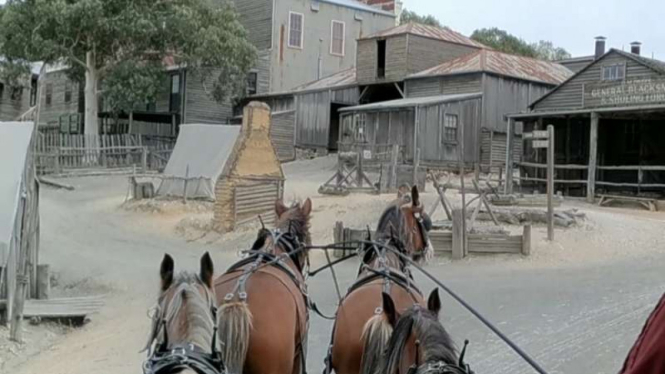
(614,72)
(381,59)
(33,92)
(49,94)
(450,124)
(2,90)
(16,93)
(359,122)
(68,92)
(296,21)
(174,100)
(252,82)
(337,38)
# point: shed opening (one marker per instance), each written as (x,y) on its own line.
(381,59)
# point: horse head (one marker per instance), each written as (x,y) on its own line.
(419,343)
(185,319)
(406,222)
(293,223)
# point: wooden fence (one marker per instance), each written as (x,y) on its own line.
(67,153)
(639,170)
(449,242)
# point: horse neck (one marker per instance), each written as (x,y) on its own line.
(190,318)
(437,345)
(393,224)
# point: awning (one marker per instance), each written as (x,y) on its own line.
(573,112)
(411,102)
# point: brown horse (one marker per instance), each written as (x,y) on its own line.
(361,330)
(263,317)
(419,344)
(183,329)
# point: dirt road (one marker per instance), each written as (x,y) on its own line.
(575,305)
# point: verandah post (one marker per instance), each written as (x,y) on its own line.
(510,143)
(593,157)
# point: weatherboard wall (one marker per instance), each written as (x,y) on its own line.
(50,113)
(292,67)
(424,53)
(11,109)
(200,107)
(505,96)
(444,85)
(570,95)
(256,17)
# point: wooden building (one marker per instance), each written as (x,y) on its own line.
(474,91)
(608,120)
(16,101)
(183,99)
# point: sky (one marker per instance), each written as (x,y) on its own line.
(572,25)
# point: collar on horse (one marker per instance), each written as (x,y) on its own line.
(184,357)
(441,367)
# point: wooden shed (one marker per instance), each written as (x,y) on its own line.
(252,179)
(427,129)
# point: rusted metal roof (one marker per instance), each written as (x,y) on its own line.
(427,31)
(411,102)
(343,78)
(502,64)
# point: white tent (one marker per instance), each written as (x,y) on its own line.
(199,156)
(16,193)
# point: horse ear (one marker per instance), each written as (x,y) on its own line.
(280,208)
(434,302)
(415,196)
(306,208)
(166,272)
(389,309)
(207,270)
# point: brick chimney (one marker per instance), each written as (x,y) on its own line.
(600,46)
(635,48)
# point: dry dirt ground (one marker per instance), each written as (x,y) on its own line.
(576,305)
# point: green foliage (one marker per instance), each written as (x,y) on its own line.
(502,41)
(132,85)
(413,17)
(127,41)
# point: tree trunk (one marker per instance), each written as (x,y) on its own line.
(91,103)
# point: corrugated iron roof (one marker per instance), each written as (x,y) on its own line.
(427,31)
(411,102)
(353,4)
(502,64)
(343,78)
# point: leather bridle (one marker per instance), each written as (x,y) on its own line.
(165,360)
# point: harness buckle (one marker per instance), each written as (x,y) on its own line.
(242,296)
(228,297)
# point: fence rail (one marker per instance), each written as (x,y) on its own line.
(639,169)
(65,153)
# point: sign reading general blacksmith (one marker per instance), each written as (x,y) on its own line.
(624,93)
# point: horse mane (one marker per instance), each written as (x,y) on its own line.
(435,343)
(391,225)
(195,323)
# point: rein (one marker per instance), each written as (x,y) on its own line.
(479,316)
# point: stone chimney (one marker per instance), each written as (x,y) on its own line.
(600,46)
(635,48)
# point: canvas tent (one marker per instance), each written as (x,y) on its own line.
(19,210)
(199,156)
